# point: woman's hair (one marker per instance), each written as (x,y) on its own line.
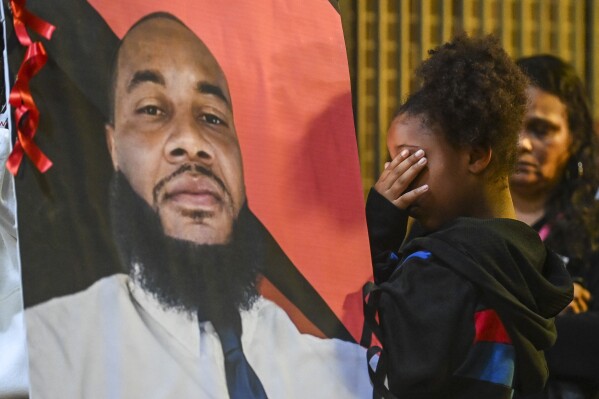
(474,94)
(572,206)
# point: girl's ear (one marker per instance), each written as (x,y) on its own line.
(479,160)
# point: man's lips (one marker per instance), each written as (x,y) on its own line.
(195,192)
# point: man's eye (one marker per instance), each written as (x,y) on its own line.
(213,119)
(150,110)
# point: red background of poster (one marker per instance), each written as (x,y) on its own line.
(286,65)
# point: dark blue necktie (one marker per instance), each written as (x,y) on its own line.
(242,381)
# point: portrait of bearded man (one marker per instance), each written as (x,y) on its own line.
(193,249)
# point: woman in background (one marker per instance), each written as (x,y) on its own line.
(554,190)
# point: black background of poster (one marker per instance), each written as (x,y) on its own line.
(60,254)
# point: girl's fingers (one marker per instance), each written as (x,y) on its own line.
(401,183)
(387,177)
(399,174)
(408,198)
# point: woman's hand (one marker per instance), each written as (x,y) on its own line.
(580,303)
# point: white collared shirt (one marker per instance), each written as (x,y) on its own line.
(113,340)
(13,350)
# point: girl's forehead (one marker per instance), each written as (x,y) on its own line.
(410,130)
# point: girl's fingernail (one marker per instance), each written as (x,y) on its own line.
(405,153)
(424,188)
(419,153)
(422,161)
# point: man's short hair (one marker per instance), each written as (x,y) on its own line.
(117,51)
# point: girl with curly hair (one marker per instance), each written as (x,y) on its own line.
(467,308)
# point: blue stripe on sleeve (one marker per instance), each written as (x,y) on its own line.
(490,361)
(419,254)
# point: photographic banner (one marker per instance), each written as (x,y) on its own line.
(201,157)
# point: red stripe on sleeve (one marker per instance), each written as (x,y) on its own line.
(489,327)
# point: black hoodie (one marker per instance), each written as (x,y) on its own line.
(466,311)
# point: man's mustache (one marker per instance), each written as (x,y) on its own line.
(184,169)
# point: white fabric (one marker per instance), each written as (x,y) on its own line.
(115,341)
(13,350)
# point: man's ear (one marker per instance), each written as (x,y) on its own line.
(109,128)
(479,160)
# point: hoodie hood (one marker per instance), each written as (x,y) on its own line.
(526,284)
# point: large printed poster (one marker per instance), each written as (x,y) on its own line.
(204,194)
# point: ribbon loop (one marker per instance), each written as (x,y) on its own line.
(26,112)
(24,18)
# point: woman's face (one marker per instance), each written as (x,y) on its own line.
(544,145)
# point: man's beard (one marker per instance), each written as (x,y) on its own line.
(214,281)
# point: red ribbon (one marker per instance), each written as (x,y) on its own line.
(22,18)
(26,112)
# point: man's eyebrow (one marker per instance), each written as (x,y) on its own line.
(145,75)
(209,88)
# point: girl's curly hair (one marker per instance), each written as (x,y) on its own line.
(474,93)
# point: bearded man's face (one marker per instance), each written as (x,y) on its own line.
(212,280)
(172,132)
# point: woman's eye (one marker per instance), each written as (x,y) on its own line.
(541,128)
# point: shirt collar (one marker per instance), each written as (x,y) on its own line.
(182,326)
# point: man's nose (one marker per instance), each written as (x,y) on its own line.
(188,143)
(524,141)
